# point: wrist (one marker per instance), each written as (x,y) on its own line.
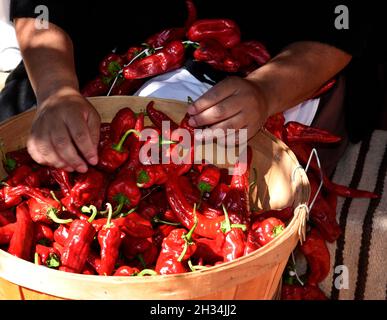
(55,94)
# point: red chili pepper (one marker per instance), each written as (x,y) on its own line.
(298,132)
(191,192)
(62,178)
(251,243)
(150,175)
(162,231)
(157,117)
(224,31)
(88,270)
(11,196)
(77,245)
(134,145)
(61,234)
(184,124)
(347,192)
(6,233)
(43,232)
(95,87)
(275,125)
(86,190)
(126,271)
(180,159)
(317,254)
(133,52)
(256,50)
(123,193)
(112,156)
(282,214)
(7,217)
(324,219)
(325,88)
(22,239)
(111,65)
(209,50)
(15,159)
(126,87)
(192,14)
(94,261)
(124,120)
(169,58)
(109,238)
(237,199)
(208,178)
(162,38)
(147,210)
(267,230)
(24,174)
(44,209)
(244,59)
(218,195)
(210,250)
(138,227)
(298,292)
(228,64)
(131,247)
(176,248)
(49,256)
(208,228)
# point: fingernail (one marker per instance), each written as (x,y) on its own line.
(191,109)
(93,160)
(82,169)
(192,122)
(68,169)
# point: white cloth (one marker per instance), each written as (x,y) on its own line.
(10,55)
(179,84)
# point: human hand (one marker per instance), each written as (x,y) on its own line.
(65,132)
(234,103)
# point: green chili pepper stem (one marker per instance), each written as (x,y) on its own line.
(277,230)
(110,215)
(147,272)
(188,237)
(225,225)
(158,220)
(118,209)
(36,259)
(118,147)
(239,226)
(54,196)
(141,259)
(123,215)
(51,213)
(195,268)
(89,209)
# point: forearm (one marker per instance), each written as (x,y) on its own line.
(297,73)
(48,58)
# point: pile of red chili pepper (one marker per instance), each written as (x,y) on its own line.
(217,42)
(322,225)
(125,218)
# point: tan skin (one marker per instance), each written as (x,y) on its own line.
(65,130)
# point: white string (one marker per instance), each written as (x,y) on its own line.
(314,152)
(294,272)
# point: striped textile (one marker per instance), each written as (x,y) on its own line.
(362,248)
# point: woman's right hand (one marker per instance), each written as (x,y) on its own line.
(65,132)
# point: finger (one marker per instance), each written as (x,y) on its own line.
(217,113)
(43,152)
(234,123)
(80,134)
(213,96)
(94,122)
(64,147)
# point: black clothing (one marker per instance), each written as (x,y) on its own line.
(97,28)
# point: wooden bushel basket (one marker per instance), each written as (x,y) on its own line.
(255,276)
